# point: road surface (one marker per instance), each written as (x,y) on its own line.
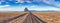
(31,18)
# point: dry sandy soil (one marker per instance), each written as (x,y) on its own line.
(7,15)
(49,17)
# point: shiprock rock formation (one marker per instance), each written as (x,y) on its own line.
(26,10)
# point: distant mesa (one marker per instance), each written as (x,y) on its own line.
(26,10)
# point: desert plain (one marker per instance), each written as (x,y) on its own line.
(49,17)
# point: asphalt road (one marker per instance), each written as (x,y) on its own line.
(31,18)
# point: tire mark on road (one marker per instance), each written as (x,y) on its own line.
(33,18)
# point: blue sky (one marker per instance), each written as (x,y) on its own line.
(19,5)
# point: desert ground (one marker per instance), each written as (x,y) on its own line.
(49,17)
(7,15)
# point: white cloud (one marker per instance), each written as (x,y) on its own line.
(33,7)
(12,9)
(28,1)
(37,0)
(1,6)
(20,1)
(7,5)
(51,2)
(57,4)
(9,9)
(39,8)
